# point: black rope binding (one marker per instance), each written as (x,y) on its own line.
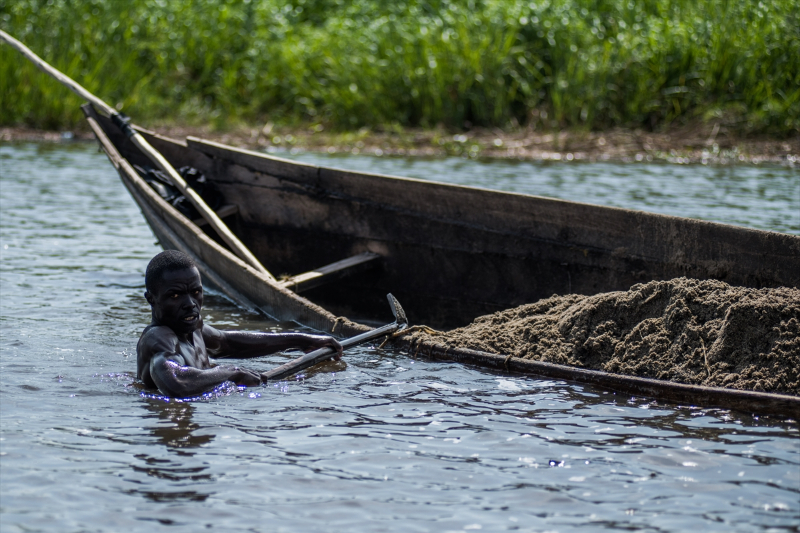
(123,123)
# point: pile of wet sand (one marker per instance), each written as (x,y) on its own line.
(684,330)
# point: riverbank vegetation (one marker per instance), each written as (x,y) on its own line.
(545,64)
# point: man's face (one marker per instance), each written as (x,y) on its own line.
(177,300)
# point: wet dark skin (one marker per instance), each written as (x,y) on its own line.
(173,354)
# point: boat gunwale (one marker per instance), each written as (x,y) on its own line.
(671,391)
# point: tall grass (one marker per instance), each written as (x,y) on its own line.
(590,64)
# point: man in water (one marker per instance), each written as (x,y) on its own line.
(173,351)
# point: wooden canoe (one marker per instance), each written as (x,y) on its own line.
(449,253)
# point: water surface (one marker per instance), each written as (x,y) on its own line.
(383,442)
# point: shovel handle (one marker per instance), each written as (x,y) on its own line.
(317,356)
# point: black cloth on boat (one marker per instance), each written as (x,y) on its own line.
(161,183)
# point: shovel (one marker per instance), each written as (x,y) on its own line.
(317,356)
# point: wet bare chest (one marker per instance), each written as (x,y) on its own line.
(194,353)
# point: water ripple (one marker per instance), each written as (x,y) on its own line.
(379,441)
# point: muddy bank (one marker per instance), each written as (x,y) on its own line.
(706,143)
(688,331)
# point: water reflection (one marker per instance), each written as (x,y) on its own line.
(179,496)
(175,428)
(175,476)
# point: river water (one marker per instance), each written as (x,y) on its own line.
(381,442)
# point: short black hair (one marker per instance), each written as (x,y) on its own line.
(166,261)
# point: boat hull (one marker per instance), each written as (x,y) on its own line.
(448,253)
(452,253)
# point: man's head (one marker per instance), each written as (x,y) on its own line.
(174,291)
(166,261)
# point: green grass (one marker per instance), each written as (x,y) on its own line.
(548,63)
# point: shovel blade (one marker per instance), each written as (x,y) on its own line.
(397,310)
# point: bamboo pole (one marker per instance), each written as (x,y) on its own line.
(140,142)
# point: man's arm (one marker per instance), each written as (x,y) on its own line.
(177,380)
(245,344)
(159,364)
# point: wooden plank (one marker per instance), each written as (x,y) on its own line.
(334,271)
(224,211)
(452,253)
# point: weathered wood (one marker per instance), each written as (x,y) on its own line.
(134,149)
(197,201)
(524,249)
(332,272)
(682,246)
(223,212)
(275,166)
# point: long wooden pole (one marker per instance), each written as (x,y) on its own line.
(140,142)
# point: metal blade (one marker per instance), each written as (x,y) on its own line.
(397,310)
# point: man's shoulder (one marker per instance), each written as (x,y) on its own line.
(155,330)
(155,338)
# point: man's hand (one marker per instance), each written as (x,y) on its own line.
(316,342)
(248,378)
